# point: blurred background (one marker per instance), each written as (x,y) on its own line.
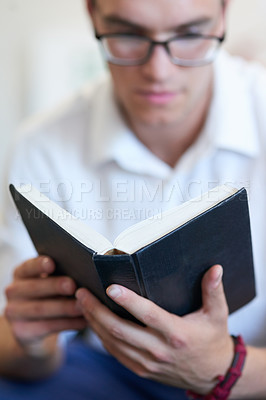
(48,51)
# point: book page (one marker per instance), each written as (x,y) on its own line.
(75,227)
(145,232)
(135,237)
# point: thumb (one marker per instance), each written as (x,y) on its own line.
(213,297)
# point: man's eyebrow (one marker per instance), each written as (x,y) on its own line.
(197,23)
(116,20)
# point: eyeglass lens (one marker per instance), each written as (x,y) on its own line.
(133,48)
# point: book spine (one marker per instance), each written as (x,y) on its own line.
(118,269)
(121,270)
(139,275)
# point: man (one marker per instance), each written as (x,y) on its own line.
(171,118)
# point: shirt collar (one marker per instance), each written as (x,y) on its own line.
(112,140)
(106,126)
(231,124)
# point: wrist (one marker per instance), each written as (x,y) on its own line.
(37,349)
(44,348)
(225,383)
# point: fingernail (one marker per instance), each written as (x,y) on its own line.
(47,265)
(80,295)
(114,291)
(218,278)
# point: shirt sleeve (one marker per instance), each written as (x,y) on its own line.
(15,243)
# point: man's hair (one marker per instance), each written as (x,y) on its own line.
(93,2)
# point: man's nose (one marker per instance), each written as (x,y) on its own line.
(159,66)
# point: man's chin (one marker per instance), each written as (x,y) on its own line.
(152,116)
(155,119)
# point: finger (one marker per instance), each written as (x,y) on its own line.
(41,288)
(142,363)
(44,309)
(126,357)
(137,343)
(34,330)
(133,358)
(92,307)
(213,297)
(143,309)
(34,267)
(102,320)
(112,328)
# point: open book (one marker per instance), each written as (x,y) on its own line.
(162,258)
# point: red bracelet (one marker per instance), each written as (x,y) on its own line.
(225,384)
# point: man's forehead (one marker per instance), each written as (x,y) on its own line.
(164,13)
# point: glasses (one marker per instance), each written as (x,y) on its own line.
(190,50)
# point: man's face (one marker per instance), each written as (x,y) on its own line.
(160,93)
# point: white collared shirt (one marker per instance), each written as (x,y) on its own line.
(84,157)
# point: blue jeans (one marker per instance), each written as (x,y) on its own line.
(89,375)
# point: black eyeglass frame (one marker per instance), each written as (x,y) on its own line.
(165,44)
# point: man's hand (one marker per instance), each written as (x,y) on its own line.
(187,352)
(39,304)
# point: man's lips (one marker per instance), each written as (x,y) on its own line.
(157,97)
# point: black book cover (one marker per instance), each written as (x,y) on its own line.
(167,271)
